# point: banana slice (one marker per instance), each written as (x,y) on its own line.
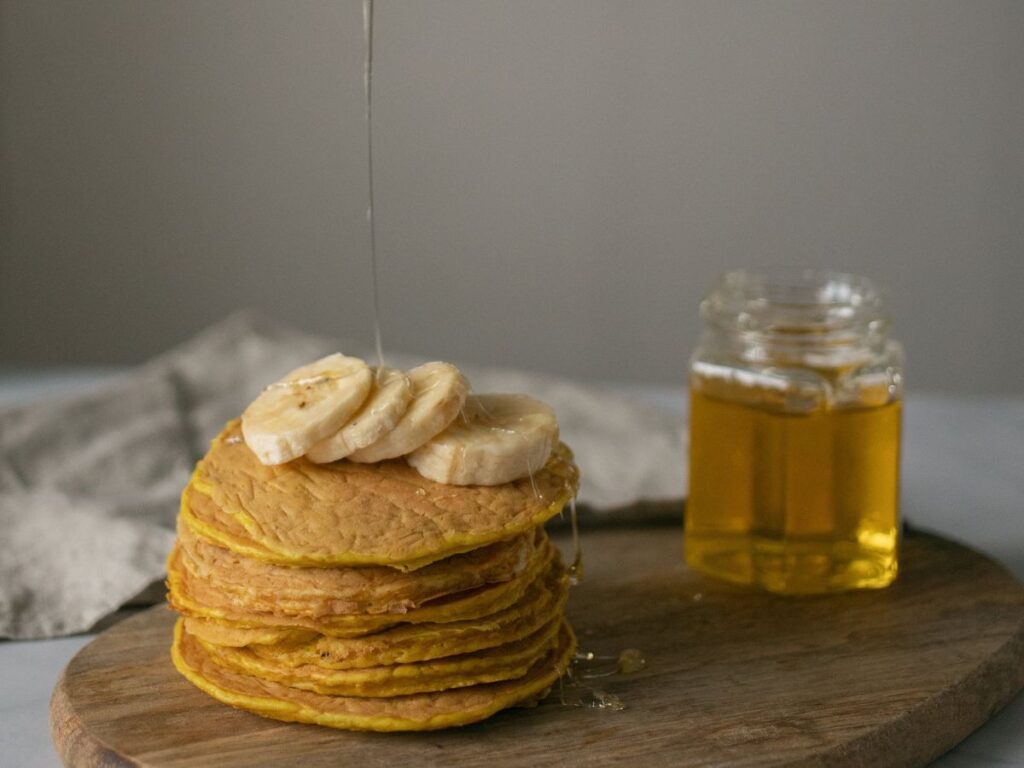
(439,390)
(391,395)
(306,406)
(499,438)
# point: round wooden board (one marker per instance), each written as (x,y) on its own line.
(894,678)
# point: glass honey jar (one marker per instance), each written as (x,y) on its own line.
(795,409)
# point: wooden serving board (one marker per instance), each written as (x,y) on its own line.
(893,677)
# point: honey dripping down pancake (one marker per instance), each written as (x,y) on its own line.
(369,553)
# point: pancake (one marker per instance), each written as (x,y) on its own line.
(345,513)
(263,586)
(503,662)
(194,597)
(414,712)
(410,643)
(402,643)
(221,632)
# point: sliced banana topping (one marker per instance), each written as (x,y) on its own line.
(388,402)
(338,407)
(497,439)
(439,390)
(309,404)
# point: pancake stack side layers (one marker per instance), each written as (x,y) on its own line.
(375,572)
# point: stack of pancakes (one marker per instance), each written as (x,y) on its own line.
(365,596)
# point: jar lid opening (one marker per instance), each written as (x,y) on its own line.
(794,301)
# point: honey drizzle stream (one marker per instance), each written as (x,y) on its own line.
(584,666)
(368,88)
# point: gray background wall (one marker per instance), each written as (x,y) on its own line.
(559,180)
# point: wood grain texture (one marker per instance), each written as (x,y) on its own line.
(893,678)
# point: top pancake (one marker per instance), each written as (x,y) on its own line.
(350,514)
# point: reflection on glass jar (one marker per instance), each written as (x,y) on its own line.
(795,411)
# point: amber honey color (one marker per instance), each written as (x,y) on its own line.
(794,502)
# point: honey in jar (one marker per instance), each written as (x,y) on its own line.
(795,411)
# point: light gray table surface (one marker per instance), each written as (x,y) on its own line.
(963,476)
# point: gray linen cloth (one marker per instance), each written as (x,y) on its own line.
(89,486)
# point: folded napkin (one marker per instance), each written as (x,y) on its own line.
(89,486)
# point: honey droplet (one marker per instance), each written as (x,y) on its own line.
(631,660)
(589,665)
(573,692)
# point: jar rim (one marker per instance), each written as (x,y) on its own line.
(792,301)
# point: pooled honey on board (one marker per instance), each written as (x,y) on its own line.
(789,491)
